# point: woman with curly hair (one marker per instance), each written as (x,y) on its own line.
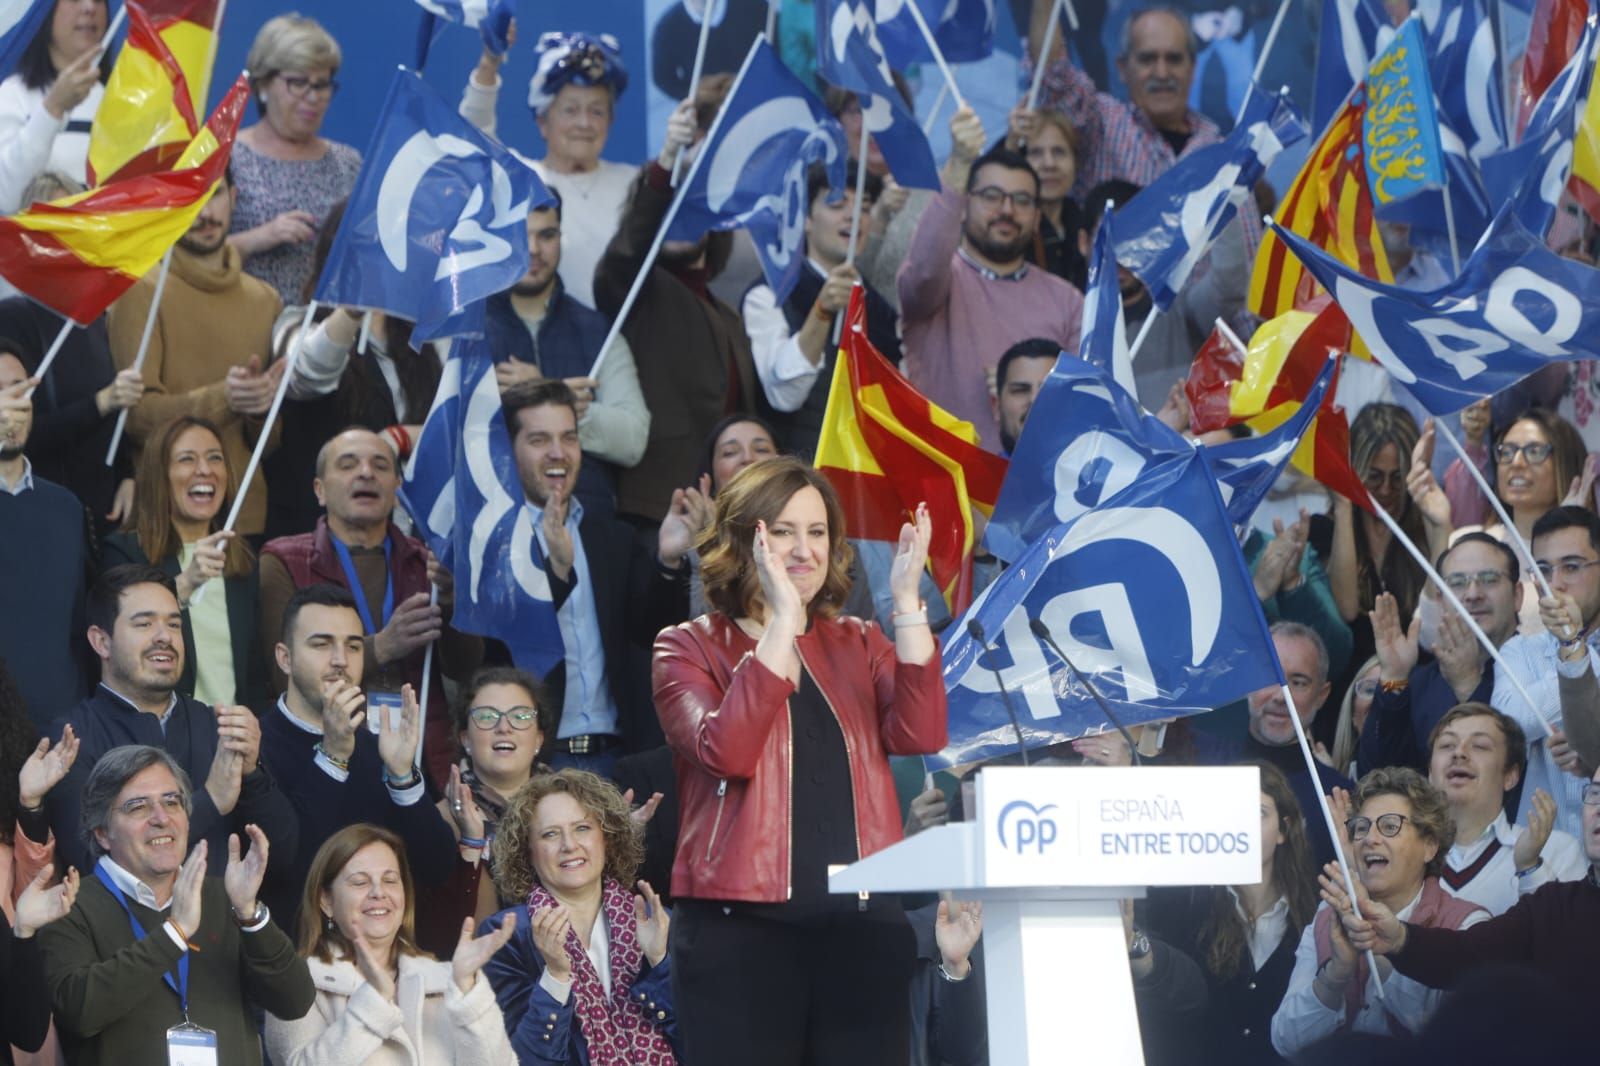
(585,978)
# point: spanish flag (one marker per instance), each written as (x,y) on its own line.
(1280,364)
(886,448)
(78,254)
(1330,204)
(1584,184)
(157,90)
(1324,451)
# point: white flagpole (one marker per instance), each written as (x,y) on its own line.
(50,356)
(933,113)
(366,331)
(1044,54)
(1450,226)
(1455,602)
(1233,338)
(666,222)
(144,348)
(1144,331)
(861,192)
(1499,509)
(699,66)
(938,56)
(772,23)
(1334,829)
(116,24)
(1266,51)
(427,675)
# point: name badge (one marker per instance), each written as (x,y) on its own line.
(191,1045)
(383,703)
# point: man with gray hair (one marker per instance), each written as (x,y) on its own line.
(125,966)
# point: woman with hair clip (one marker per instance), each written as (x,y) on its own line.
(182,494)
(386,387)
(47,106)
(1244,936)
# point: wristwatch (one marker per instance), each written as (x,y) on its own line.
(255,916)
(1140,946)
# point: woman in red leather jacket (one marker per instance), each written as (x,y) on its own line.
(781,716)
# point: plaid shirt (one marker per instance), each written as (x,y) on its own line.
(1117,140)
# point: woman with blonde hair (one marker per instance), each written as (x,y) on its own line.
(380,999)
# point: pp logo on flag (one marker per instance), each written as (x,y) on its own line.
(470,244)
(1031,828)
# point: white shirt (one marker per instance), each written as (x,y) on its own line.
(787,376)
(33,142)
(1532,660)
(1302,1019)
(599,953)
(403,797)
(142,894)
(1266,932)
(1497,886)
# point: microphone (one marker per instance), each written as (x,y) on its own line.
(975,631)
(1042,631)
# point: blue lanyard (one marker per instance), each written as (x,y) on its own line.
(362,607)
(181,985)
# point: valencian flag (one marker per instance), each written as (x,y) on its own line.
(157,90)
(1330,205)
(886,448)
(1399,130)
(78,254)
(1284,356)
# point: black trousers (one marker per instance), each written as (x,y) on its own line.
(833,990)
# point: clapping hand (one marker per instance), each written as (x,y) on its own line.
(242,876)
(641,815)
(1397,648)
(651,918)
(473,952)
(910,558)
(550,929)
(187,888)
(45,768)
(1422,485)
(777,590)
(40,904)
(1367,925)
(464,810)
(956,930)
(374,970)
(1541,820)
(397,744)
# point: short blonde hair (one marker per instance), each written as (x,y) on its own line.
(291,42)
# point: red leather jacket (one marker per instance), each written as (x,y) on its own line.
(726,717)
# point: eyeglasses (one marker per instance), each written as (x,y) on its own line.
(1367,689)
(489,717)
(1487,580)
(301,86)
(992,196)
(1591,794)
(1567,568)
(1388,824)
(142,807)
(1535,453)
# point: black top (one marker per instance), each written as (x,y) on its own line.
(822,813)
(25,1014)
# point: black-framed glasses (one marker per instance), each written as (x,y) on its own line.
(1567,568)
(1388,824)
(992,196)
(301,86)
(487,718)
(1534,452)
(1591,794)
(1487,580)
(142,807)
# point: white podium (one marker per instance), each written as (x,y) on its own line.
(1050,853)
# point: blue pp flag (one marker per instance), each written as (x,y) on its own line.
(1399,130)
(1167,228)
(438,220)
(850,56)
(1104,332)
(19,23)
(1247,468)
(1464,68)
(1352,32)
(462,490)
(964,30)
(491,18)
(1147,594)
(1085,440)
(1515,308)
(751,171)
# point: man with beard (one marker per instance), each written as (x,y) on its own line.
(44,560)
(690,348)
(967,292)
(136,629)
(212,332)
(538,329)
(337,759)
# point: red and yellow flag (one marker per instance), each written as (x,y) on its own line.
(1281,364)
(886,448)
(157,89)
(1324,451)
(78,254)
(1329,205)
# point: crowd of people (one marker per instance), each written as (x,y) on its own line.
(258,793)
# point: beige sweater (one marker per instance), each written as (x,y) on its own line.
(212,316)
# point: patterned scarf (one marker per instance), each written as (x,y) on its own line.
(617,1031)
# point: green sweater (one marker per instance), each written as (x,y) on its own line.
(112,1006)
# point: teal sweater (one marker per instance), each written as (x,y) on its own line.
(112,1005)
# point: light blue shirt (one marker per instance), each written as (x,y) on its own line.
(586,706)
(1532,658)
(24,483)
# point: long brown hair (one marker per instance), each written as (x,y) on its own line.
(760,492)
(1374,428)
(153,526)
(320,936)
(1223,936)
(1567,450)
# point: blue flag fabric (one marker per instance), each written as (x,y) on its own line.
(1085,440)
(1148,595)
(1104,331)
(462,490)
(491,18)
(1352,32)
(1246,468)
(963,28)
(1515,308)
(1400,132)
(1464,69)
(437,222)
(19,22)
(1168,227)
(850,55)
(751,171)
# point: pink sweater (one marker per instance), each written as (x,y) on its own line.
(955,322)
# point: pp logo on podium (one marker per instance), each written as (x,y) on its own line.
(1031,828)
